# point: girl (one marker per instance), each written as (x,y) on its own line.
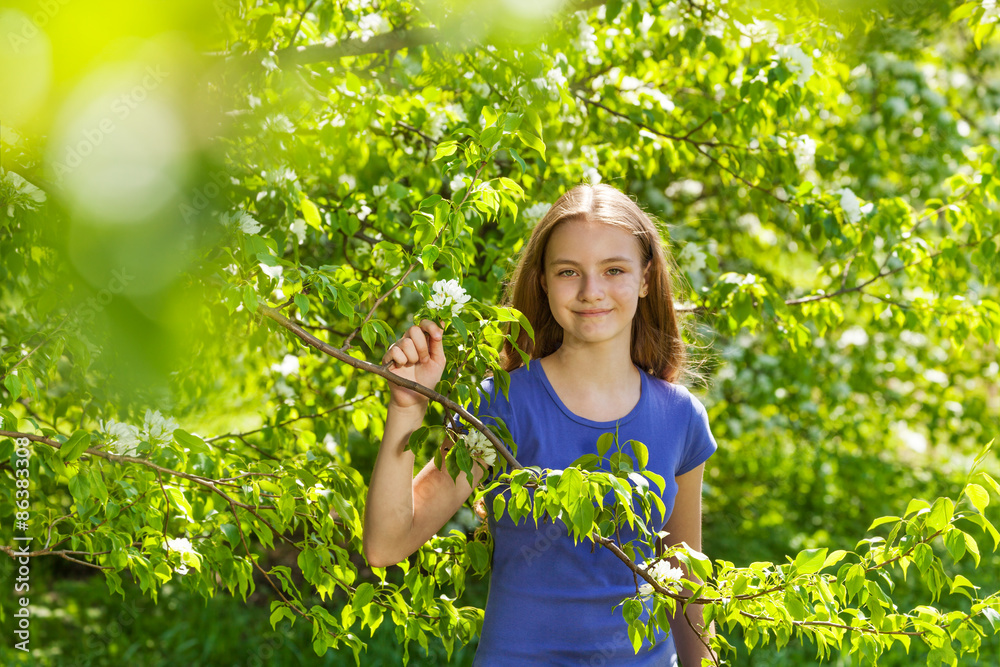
(593,281)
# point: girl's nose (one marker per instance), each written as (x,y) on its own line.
(592,288)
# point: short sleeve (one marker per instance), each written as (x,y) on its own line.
(699,443)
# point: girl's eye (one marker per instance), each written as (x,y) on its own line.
(571,270)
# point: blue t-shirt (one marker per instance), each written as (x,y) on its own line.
(553,602)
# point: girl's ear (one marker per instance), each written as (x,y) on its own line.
(545,287)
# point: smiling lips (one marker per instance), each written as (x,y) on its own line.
(592,313)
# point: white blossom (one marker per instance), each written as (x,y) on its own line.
(685,187)
(349,180)
(458,111)
(534,213)
(181,545)
(158,430)
(586,41)
(279,123)
(288,366)
(855,336)
(692,258)
(20,193)
(371,25)
(458,182)
(664,573)
(299,229)
(804,150)
(480,447)
(897,105)
(798,60)
(364,211)
(123,438)
(757,31)
(448,294)
(849,204)
(646,23)
(437,125)
(991,13)
(330,445)
(9,136)
(248,225)
(591,175)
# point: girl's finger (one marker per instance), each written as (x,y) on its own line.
(419,339)
(408,352)
(436,331)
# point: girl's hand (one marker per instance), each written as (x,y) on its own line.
(417,356)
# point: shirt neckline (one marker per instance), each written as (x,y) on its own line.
(643,392)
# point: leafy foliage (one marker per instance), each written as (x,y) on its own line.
(826,180)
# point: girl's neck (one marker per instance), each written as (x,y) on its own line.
(593,370)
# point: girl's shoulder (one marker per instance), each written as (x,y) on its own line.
(673,393)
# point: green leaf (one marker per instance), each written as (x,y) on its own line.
(250,298)
(882,520)
(79,487)
(915,506)
(631,610)
(641,454)
(498,506)
(941,513)
(232,533)
(428,256)
(280,612)
(478,555)
(489,115)
(834,558)
(444,149)
(267,258)
(517,158)
(979,496)
(13,384)
(604,443)
(310,213)
(302,303)
(531,141)
(362,596)
(73,448)
(810,560)
(192,442)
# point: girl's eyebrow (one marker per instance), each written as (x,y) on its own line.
(610,260)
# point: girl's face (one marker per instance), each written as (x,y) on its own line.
(593,276)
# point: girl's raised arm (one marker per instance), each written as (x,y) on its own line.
(403,512)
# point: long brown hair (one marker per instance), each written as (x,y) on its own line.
(657,346)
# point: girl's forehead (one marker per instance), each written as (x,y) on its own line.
(585,238)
